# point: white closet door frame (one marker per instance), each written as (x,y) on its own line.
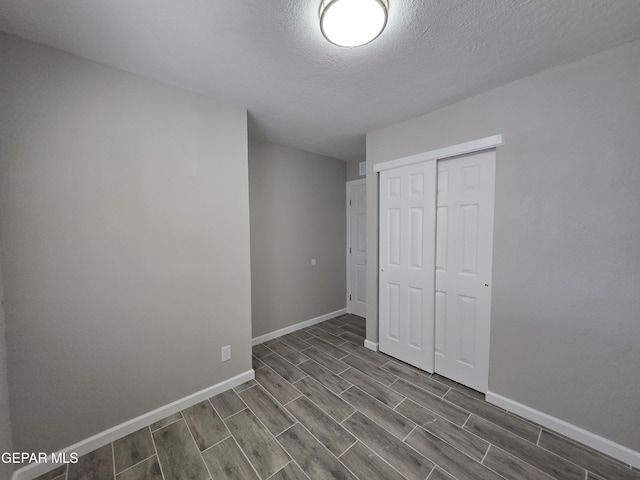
(432,156)
(442,153)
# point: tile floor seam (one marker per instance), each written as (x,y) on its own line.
(261,422)
(347,468)
(465,422)
(350,386)
(193,435)
(350,447)
(441,398)
(239,397)
(323,410)
(374,453)
(246,457)
(485,418)
(259,387)
(350,415)
(214,408)
(431,472)
(416,451)
(278,471)
(113,460)
(526,460)
(266,430)
(170,423)
(153,442)
(292,400)
(588,450)
(195,442)
(567,459)
(392,467)
(218,442)
(293,460)
(288,428)
(317,440)
(130,467)
(485,454)
(501,428)
(390,408)
(495,447)
(433,412)
(249,381)
(408,434)
(364,359)
(381,426)
(446,442)
(453,477)
(386,363)
(205,463)
(389,387)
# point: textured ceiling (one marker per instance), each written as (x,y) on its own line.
(269,55)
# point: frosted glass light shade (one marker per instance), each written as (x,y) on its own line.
(350,23)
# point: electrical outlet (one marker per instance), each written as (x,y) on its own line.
(226,353)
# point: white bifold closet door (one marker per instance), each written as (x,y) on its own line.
(436,244)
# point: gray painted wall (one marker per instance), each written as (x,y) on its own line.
(124,214)
(298,212)
(566,271)
(353,170)
(6,444)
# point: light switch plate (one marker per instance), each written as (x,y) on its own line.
(226,353)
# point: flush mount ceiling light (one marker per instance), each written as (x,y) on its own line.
(351,23)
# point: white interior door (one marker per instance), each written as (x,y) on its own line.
(406,276)
(464,249)
(357,248)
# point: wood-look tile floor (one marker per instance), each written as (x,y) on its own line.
(324,407)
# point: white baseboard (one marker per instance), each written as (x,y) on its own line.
(297,326)
(615,450)
(371,345)
(29,472)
